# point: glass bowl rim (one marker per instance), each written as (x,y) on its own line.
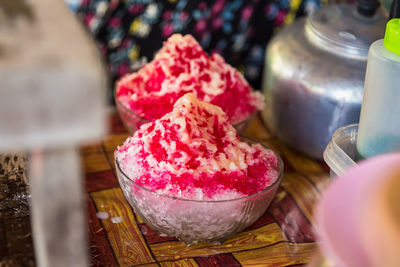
(277,180)
(127,109)
(131,111)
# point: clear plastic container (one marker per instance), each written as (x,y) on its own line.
(341,151)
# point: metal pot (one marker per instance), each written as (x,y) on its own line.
(314,74)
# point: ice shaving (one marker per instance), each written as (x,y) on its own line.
(194,153)
(182,66)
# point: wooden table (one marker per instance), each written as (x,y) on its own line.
(283,236)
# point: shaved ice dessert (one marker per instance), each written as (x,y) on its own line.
(194,153)
(179,67)
(188,175)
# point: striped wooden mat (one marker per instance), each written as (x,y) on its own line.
(283,236)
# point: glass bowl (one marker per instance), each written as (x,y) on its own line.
(193,221)
(133,121)
(130,119)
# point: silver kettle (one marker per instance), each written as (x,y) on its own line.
(314,73)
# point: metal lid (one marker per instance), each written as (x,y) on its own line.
(341,29)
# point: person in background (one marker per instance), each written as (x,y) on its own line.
(129,32)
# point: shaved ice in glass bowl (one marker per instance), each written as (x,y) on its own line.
(189,175)
(179,67)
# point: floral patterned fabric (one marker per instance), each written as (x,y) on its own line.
(130,31)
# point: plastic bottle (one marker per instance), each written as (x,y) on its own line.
(379,126)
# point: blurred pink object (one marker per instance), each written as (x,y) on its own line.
(354,228)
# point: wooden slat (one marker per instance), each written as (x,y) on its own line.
(226,260)
(300,162)
(260,237)
(302,191)
(113,140)
(139,219)
(295,162)
(280,254)
(124,234)
(180,263)
(152,236)
(273,144)
(100,250)
(256,130)
(90,148)
(320,181)
(115,124)
(149,265)
(290,218)
(111,159)
(100,181)
(95,162)
(263,220)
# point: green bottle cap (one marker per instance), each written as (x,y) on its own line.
(392,36)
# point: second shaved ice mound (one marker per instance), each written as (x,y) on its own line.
(180,67)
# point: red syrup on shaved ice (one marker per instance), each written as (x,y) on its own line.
(179,67)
